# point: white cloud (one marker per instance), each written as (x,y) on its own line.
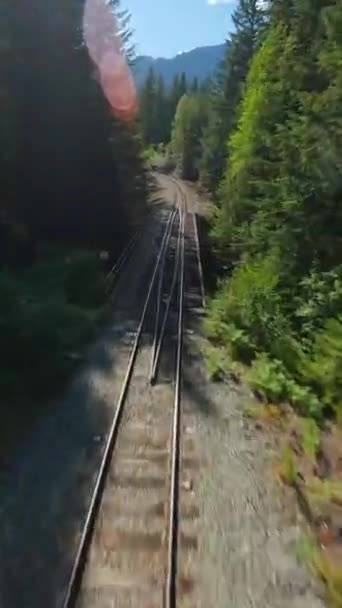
(216,2)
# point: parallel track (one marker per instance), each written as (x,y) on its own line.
(120,263)
(75,581)
(169,584)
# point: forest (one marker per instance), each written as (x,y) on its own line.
(264,141)
(264,138)
(278,214)
(73,183)
(261,140)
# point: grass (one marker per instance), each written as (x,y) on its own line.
(286,469)
(331,574)
(306,549)
(325,490)
(265,412)
(321,563)
(311,437)
(48,314)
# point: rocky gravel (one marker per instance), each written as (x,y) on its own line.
(238,529)
(45,494)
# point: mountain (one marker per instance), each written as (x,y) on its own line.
(200,62)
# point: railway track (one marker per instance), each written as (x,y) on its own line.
(110,280)
(128,551)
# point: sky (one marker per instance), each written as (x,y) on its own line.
(164,28)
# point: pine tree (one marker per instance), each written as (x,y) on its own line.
(183,85)
(161,117)
(186,134)
(249,19)
(65,138)
(194,86)
(147,107)
(282,187)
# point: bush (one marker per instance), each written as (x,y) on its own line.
(322,368)
(247,311)
(251,320)
(46,315)
(319,298)
(271,378)
(84,283)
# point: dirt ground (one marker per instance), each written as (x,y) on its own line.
(248,527)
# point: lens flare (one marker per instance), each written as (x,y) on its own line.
(103,40)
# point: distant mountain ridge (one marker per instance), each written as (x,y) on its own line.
(198,63)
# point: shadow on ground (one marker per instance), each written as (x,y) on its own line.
(45,494)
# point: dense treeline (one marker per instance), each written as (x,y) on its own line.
(158,105)
(266,142)
(69,169)
(189,121)
(277,226)
(172,120)
(72,182)
(249,20)
(278,221)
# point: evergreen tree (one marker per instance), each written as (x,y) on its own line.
(279,215)
(65,141)
(158,106)
(183,86)
(194,86)
(249,19)
(186,134)
(161,114)
(148,108)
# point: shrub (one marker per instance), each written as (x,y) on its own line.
(322,368)
(84,282)
(319,298)
(271,379)
(40,327)
(250,301)
(311,436)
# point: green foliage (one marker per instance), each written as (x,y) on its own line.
(45,316)
(69,169)
(186,133)
(269,378)
(287,469)
(311,436)
(214,360)
(306,549)
(319,298)
(158,106)
(84,283)
(249,19)
(279,214)
(322,368)
(250,299)
(309,552)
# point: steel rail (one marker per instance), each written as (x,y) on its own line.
(157,344)
(124,256)
(159,298)
(111,276)
(171,585)
(157,347)
(75,580)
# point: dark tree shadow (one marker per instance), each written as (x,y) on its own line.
(45,494)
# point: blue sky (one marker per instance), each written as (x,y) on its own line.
(164,28)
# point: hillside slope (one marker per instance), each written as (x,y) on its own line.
(200,63)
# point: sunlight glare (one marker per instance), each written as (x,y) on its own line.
(105,48)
